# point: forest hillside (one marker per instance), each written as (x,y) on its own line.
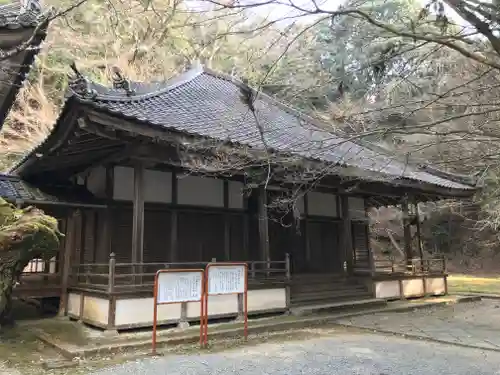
(409,94)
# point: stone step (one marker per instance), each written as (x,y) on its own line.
(320,277)
(356,305)
(325,287)
(303,298)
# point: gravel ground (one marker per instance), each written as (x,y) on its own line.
(339,354)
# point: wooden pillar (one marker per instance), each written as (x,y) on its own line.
(246,229)
(78,241)
(89,242)
(174,221)
(69,243)
(111,290)
(263,225)
(347,245)
(227,223)
(407,230)
(138,218)
(107,228)
(371,255)
(307,232)
(419,239)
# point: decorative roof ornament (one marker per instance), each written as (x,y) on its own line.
(23,13)
(3,20)
(31,13)
(80,84)
(120,82)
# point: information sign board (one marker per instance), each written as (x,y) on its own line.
(225,279)
(175,287)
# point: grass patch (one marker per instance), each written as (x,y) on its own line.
(465,283)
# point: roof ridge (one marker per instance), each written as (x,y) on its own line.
(86,89)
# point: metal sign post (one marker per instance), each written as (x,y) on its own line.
(223,278)
(177,286)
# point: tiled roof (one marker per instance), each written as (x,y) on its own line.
(204,103)
(14,189)
(21,22)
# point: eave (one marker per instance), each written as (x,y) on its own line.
(21,26)
(85,137)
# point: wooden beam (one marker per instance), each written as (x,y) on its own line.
(138,215)
(263,225)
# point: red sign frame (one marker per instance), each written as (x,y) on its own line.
(204,305)
(155,298)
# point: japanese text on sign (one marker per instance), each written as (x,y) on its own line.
(176,287)
(226,279)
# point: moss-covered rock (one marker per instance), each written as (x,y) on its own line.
(25,234)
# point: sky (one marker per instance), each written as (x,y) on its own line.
(277,11)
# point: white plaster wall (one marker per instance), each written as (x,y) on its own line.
(200,191)
(413,287)
(96,309)
(123,183)
(35,265)
(157,185)
(96,181)
(74,304)
(235,194)
(266,299)
(435,285)
(356,208)
(52,265)
(322,204)
(217,305)
(140,311)
(387,289)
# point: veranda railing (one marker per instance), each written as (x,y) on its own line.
(115,277)
(413,267)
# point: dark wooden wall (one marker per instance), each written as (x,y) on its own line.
(323,237)
(200,235)
(313,243)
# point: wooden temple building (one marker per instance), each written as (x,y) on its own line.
(145,176)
